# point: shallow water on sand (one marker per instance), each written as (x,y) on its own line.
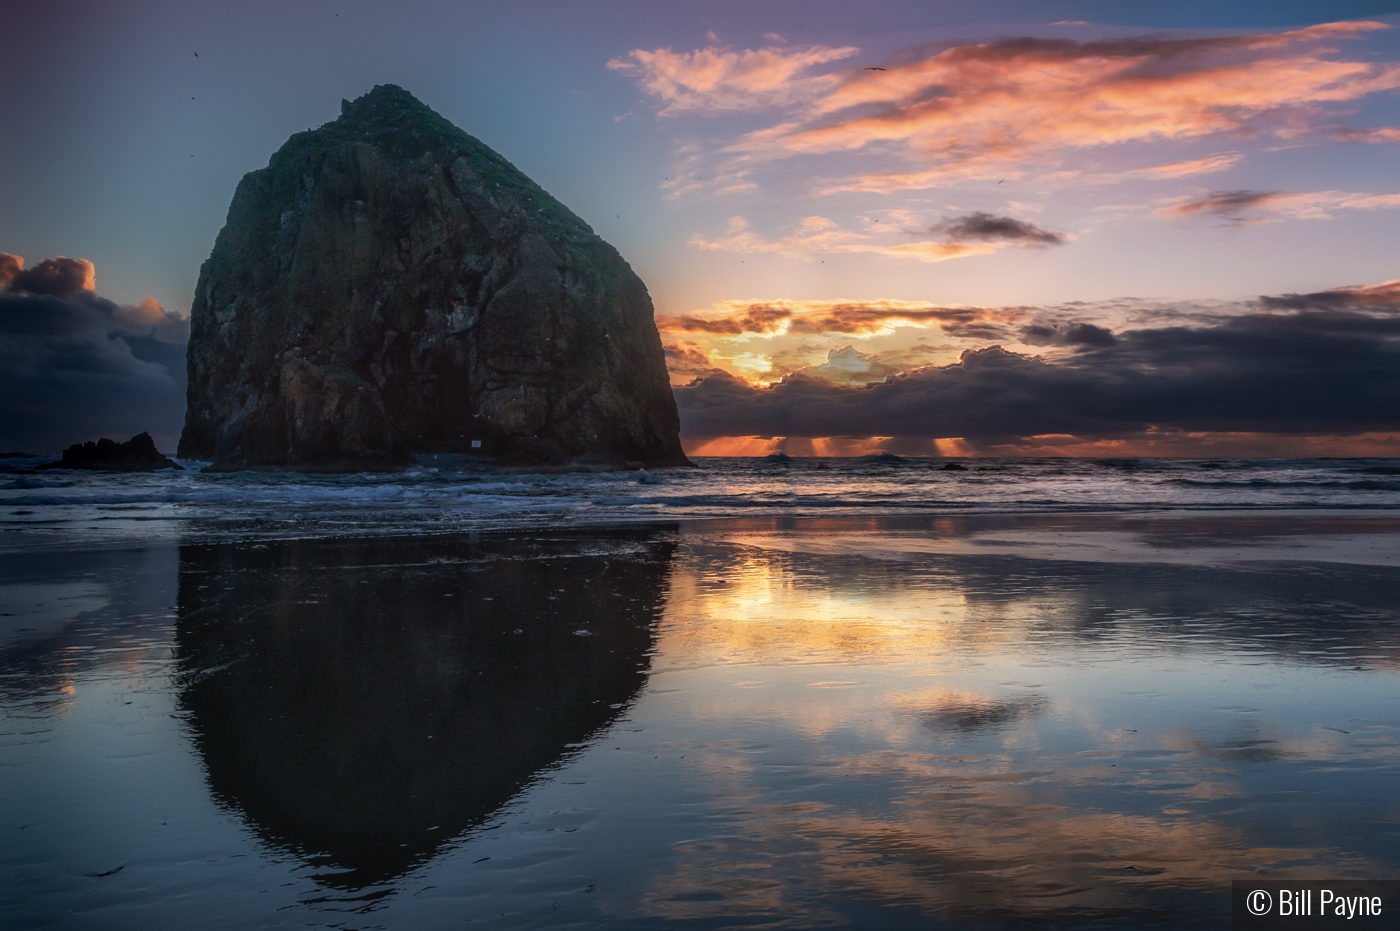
(1001,721)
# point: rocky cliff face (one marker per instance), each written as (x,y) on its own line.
(389,285)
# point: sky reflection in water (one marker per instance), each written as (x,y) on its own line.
(716,724)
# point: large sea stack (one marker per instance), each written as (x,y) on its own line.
(388,285)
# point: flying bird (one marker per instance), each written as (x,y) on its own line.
(872,68)
(196,54)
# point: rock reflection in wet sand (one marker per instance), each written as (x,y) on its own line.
(364,704)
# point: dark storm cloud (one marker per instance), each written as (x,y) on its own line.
(1311,371)
(1231,205)
(976,329)
(984,227)
(74,365)
(1079,335)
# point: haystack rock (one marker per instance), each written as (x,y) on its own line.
(388,285)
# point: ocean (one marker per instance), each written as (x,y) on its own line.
(778,693)
(450,494)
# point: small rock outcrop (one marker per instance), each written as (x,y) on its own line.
(138,454)
(389,285)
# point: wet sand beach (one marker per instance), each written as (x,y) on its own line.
(999,720)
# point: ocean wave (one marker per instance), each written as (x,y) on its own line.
(1358,484)
(27,483)
(192,505)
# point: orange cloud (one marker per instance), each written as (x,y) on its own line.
(147,313)
(59,277)
(1385,293)
(755,318)
(1349,297)
(763,318)
(983,110)
(687,361)
(715,80)
(10,266)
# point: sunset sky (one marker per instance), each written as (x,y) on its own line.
(1178,222)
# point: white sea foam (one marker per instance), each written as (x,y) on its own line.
(93,507)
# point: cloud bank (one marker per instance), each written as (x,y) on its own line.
(735,318)
(74,366)
(1326,363)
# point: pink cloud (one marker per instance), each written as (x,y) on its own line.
(1384,296)
(1196,166)
(819,235)
(1002,109)
(1381,134)
(1239,206)
(1387,293)
(715,80)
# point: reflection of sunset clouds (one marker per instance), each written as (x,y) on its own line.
(1349,543)
(839,724)
(955,837)
(940,741)
(769,611)
(971,713)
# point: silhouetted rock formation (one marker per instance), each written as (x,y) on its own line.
(363,703)
(138,454)
(389,285)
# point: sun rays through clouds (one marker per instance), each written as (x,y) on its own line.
(1295,371)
